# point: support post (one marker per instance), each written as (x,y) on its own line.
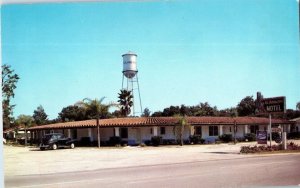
(220,130)
(25,136)
(90,133)
(270,129)
(192,130)
(288,128)
(234,131)
(98,131)
(246,129)
(117,131)
(155,131)
(31,137)
(284,140)
(69,133)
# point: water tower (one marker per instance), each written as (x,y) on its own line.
(130,73)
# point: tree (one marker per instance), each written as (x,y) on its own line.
(185,110)
(157,114)
(204,109)
(26,121)
(40,116)
(228,112)
(72,113)
(125,101)
(146,112)
(246,107)
(171,111)
(298,106)
(95,109)
(9,81)
(179,128)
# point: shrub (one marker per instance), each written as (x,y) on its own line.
(115,140)
(226,138)
(196,139)
(258,149)
(240,139)
(275,136)
(293,146)
(250,137)
(293,135)
(169,141)
(85,141)
(156,140)
(147,142)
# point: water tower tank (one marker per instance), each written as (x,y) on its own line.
(129,64)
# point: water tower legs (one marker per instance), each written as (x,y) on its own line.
(132,84)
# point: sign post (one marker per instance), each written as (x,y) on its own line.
(274,105)
(270,129)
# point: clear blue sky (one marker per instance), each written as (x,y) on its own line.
(189,52)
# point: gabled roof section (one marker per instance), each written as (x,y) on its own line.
(161,121)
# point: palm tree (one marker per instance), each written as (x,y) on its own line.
(95,110)
(179,127)
(125,101)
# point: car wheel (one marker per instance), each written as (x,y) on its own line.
(72,146)
(42,149)
(54,146)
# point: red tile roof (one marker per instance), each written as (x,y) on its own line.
(160,121)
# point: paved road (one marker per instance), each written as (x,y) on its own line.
(283,170)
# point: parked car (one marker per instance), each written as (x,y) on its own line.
(56,140)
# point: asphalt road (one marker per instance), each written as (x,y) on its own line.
(266,170)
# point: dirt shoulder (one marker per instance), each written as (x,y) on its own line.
(30,160)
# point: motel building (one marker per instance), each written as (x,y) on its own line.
(139,130)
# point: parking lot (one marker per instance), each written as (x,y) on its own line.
(30,160)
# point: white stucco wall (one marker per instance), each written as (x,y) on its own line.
(146,133)
(82,133)
(226,129)
(240,131)
(105,133)
(205,131)
(169,133)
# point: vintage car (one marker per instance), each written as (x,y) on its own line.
(56,140)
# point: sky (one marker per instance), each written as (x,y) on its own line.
(189,51)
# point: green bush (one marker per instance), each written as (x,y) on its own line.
(115,140)
(156,140)
(250,137)
(226,138)
(275,136)
(293,135)
(196,139)
(169,141)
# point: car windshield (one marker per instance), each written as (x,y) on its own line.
(48,137)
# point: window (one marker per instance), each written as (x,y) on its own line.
(59,136)
(229,129)
(198,131)
(124,133)
(162,130)
(213,131)
(253,129)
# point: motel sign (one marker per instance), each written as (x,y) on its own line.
(272,105)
